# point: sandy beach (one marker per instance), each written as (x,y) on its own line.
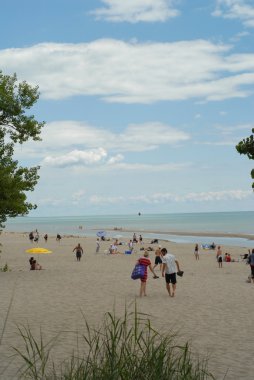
(212,308)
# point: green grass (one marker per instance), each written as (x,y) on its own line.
(126,348)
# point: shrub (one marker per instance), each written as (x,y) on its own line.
(126,348)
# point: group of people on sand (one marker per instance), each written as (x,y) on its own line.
(219,256)
(169,266)
(34,236)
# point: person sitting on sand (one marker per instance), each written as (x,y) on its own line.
(35,265)
(113,249)
(79,251)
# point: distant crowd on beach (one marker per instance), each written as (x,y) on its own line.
(34,236)
(167,262)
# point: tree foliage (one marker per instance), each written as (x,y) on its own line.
(246,146)
(16,126)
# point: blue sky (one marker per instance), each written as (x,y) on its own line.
(144,102)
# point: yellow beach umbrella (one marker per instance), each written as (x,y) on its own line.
(37,250)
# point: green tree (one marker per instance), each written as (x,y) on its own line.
(16,127)
(246,146)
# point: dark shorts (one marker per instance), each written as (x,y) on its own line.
(170,278)
(158,260)
(78,253)
(219,259)
(252,271)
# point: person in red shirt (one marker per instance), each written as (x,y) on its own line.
(147,263)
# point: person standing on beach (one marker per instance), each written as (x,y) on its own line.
(251,261)
(169,268)
(97,245)
(58,237)
(36,236)
(144,260)
(79,251)
(196,253)
(130,245)
(31,237)
(158,258)
(219,256)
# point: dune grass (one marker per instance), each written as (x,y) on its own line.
(125,348)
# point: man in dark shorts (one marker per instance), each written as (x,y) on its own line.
(79,251)
(158,259)
(169,268)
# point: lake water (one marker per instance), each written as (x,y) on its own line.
(147,224)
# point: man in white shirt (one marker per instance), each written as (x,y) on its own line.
(169,268)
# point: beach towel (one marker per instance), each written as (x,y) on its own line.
(138,271)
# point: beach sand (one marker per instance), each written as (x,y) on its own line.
(213,307)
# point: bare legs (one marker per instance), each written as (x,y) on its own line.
(171,294)
(142,289)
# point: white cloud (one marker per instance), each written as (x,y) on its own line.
(71,141)
(236,9)
(160,198)
(124,72)
(77,157)
(234,128)
(134,11)
(115,159)
(149,167)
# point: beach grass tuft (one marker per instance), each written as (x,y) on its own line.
(126,348)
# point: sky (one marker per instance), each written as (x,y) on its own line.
(144,102)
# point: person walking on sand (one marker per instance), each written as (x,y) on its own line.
(219,256)
(97,245)
(251,261)
(144,260)
(158,258)
(196,253)
(79,251)
(169,268)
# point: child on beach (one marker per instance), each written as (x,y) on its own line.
(147,263)
(196,253)
(219,256)
(158,259)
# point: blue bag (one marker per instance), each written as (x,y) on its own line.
(138,271)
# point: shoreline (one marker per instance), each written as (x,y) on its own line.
(189,233)
(139,231)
